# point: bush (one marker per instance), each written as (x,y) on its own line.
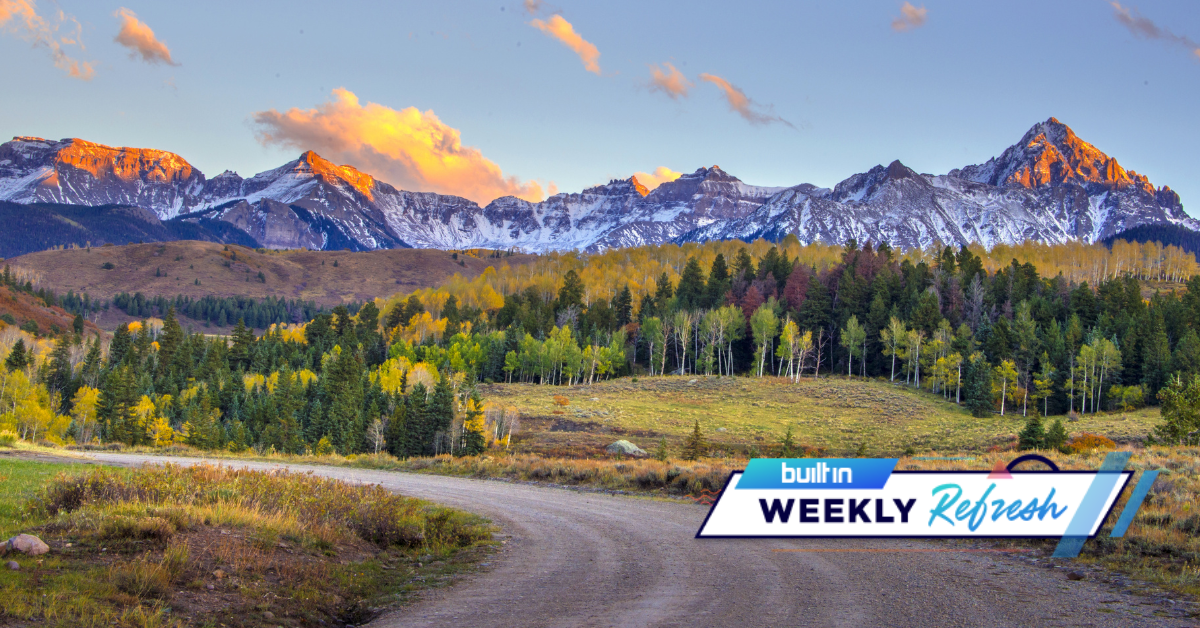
(8,439)
(108,266)
(1086,442)
(561,401)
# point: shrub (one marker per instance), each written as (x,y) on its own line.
(561,401)
(1086,442)
(324,447)
(8,439)
(108,266)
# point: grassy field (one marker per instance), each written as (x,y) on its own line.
(203,546)
(741,414)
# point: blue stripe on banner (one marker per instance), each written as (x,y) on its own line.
(1135,502)
(1092,506)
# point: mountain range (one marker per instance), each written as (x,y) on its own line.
(1051,186)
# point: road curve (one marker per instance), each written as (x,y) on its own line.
(583,559)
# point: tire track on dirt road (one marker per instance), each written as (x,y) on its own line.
(574,558)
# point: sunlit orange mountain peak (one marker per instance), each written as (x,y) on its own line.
(332,173)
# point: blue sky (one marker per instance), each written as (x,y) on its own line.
(954,90)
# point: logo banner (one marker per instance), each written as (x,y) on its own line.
(858,497)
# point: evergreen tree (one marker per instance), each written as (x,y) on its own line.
(695,446)
(814,313)
(1033,435)
(663,291)
(17,360)
(60,376)
(623,306)
(440,414)
(473,442)
(977,386)
(1185,362)
(788,444)
(571,292)
(118,349)
(661,453)
(690,291)
(1056,436)
(718,283)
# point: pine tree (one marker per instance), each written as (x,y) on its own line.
(1033,436)
(440,414)
(977,386)
(1056,436)
(695,447)
(690,291)
(788,444)
(17,360)
(661,453)
(623,306)
(473,441)
(571,292)
(718,283)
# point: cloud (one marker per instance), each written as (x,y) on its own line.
(1146,29)
(661,175)
(560,29)
(140,40)
(408,148)
(20,17)
(670,81)
(910,17)
(741,103)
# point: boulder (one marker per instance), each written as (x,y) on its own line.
(625,447)
(26,544)
(13,565)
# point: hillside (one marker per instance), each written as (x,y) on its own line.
(22,307)
(42,226)
(196,269)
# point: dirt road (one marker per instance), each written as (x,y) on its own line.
(582,559)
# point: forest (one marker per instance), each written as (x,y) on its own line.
(1109,329)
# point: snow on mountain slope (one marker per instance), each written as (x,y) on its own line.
(1051,186)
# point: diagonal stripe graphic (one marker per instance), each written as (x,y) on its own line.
(1135,502)
(1092,506)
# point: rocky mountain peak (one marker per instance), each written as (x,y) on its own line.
(333,174)
(1050,154)
(637,185)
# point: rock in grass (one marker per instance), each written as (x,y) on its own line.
(625,447)
(26,544)
(13,565)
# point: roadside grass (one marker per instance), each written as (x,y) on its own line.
(738,415)
(208,546)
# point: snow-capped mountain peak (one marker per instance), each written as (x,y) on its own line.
(1050,186)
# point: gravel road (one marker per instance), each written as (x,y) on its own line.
(583,559)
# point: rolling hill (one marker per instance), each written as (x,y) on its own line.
(197,269)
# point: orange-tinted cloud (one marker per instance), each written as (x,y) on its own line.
(560,29)
(20,17)
(408,148)
(910,17)
(140,40)
(661,175)
(669,81)
(1145,28)
(740,103)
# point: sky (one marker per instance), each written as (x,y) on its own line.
(528,98)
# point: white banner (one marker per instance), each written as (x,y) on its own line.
(922,504)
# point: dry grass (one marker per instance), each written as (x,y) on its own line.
(202,546)
(307,275)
